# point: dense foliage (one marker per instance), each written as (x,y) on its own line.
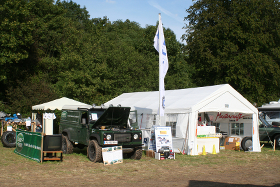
(236,42)
(51,50)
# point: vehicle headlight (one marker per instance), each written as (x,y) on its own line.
(135,136)
(108,137)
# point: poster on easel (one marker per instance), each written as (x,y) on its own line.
(164,145)
(112,155)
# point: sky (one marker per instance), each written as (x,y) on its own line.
(144,12)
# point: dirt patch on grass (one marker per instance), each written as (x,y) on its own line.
(228,168)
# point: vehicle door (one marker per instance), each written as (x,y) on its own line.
(82,132)
(73,124)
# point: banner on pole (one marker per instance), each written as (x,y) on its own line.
(159,44)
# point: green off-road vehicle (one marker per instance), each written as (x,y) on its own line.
(97,128)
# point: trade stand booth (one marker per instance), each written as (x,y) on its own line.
(46,119)
(41,143)
(202,119)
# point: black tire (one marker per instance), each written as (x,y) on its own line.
(9,139)
(94,151)
(137,154)
(246,143)
(277,141)
(67,146)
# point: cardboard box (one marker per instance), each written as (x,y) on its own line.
(150,153)
(231,143)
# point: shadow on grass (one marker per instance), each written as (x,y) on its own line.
(194,183)
(83,152)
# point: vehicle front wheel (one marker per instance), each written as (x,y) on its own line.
(94,151)
(277,141)
(137,154)
(67,146)
(246,143)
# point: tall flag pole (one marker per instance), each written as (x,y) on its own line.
(159,44)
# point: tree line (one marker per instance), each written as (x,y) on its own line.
(53,49)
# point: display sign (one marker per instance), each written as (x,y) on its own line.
(9,128)
(28,122)
(28,144)
(112,155)
(235,117)
(94,116)
(163,139)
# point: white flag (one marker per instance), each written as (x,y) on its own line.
(163,54)
(159,44)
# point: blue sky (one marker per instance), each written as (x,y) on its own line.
(144,12)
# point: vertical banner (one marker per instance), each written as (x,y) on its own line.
(28,144)
(159,44)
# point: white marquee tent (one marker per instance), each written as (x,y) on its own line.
(183,108)
(58,104)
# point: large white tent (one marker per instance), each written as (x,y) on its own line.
(47,120)
(184,106)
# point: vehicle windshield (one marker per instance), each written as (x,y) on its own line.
(95,115)
(271,116)
(263,122)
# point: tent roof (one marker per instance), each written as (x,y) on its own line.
(58,104)
(206,98)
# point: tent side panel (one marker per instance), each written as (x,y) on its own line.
(255,132)
(191,134)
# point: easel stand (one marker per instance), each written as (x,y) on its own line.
(52,155)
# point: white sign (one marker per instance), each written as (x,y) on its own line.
(28,122)
(163,138)
(94,116)
(110,142)
(112,155)
(9,128)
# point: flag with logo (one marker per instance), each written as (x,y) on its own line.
(159,44)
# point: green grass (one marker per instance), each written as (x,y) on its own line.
(77,164)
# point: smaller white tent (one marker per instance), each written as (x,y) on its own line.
(47,119)
(184,106)
(58,104)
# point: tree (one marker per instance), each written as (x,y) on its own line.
(33,91)
(236,42)
(50,50)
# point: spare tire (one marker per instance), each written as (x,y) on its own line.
(246,143)
(9,139)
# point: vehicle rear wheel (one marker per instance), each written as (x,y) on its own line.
(9,139)
(67,146)
(246,143)
(94,151)
(137,154)
(277,141)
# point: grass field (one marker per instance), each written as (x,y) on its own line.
(227,168)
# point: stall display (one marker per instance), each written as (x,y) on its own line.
(112,155)
(164,148)
(208,141)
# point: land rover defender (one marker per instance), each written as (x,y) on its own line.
(98,127)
